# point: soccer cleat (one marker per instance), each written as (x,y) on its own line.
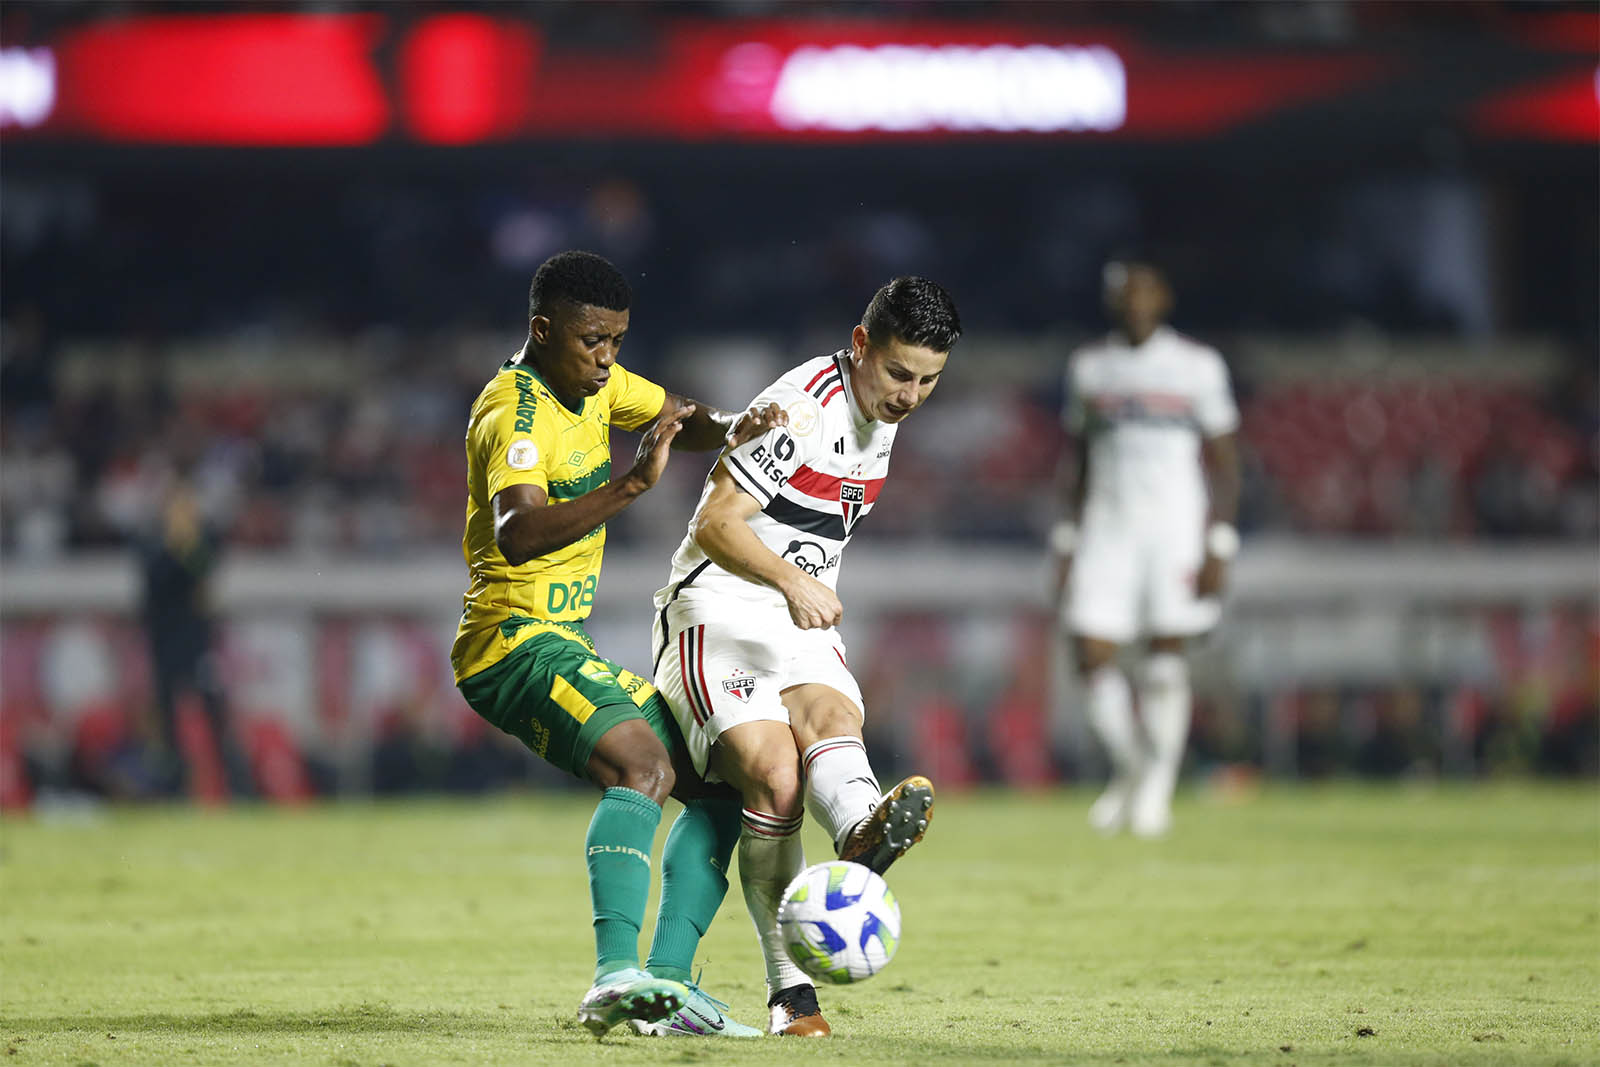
(1109,813)
(897,823)
(795,1013)
(702,1015)
(1150,809)
(629,994)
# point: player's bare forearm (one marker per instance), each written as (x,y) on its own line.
(1221,457)
(526,526)
(709,428)
(706,429)
(1072,478)
(721,527)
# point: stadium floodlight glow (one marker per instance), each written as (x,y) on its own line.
(907,88)
(27,86)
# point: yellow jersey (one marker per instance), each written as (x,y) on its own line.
(520,433)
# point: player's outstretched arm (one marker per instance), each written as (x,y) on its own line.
(707,428)
(527,526)
(721,527)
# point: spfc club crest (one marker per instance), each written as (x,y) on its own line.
(852,495)
(739,687)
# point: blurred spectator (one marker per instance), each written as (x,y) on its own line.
(176,564)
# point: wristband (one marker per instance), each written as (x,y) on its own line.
(1064,537)
(1222,540)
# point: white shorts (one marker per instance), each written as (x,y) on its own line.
(1127,582)
(717,673)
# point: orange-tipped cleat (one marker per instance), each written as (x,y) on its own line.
(897,823)
(795,1013)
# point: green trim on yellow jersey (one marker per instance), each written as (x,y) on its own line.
(514,624)
(572,488)
(514,364)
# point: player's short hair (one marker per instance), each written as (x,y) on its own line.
(916,311)
(580,277)
(1115,273)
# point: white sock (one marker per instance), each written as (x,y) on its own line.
(841,789)
(1165,705)
(770,856)
(1110,714)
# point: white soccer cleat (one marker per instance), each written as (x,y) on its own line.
(1109,813)
(1150,808)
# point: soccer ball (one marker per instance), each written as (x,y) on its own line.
(840,922)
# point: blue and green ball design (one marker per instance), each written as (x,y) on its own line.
(840,922)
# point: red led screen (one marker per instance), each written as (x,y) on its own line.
(1566,108)
(467,77)
(230,79)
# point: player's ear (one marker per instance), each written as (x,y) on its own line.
(858,341)
(539,329)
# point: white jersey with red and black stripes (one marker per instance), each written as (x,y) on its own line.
(1142,411)
(816,479)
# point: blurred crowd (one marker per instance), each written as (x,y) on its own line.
(366,456)
(304,352)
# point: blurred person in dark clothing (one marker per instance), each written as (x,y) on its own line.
(176,563)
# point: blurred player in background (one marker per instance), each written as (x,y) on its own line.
(1144,547)
(747,653)
(539,494)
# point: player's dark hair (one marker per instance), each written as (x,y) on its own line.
(916,311)
(1119,264)
(580,277)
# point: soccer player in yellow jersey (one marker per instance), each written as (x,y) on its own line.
(539,493)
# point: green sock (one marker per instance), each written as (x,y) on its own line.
(694,879)
(618,849)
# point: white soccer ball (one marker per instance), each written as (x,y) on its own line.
(840,922)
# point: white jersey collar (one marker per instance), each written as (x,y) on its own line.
(1160,335)
(842,358)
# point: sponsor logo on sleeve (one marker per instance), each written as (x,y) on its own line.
(522,454)
(768,462)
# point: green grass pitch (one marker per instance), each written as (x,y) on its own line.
(1311,925)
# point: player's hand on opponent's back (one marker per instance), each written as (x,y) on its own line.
(655,447)
(755,422)
(812,605)
(1213,574)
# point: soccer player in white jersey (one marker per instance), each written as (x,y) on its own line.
(1149,530)
(747,654)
